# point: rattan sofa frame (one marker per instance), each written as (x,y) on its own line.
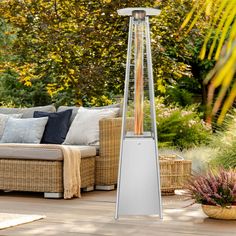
(42,176)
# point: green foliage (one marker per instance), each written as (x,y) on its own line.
(77,49)
(14,93)
(175,54)
(178,127)
(6,40)
(225,157)
(170,52)
(224,141)
(179,96)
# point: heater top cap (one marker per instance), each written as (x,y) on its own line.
(148,11)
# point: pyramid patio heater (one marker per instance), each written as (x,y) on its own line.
(138,190)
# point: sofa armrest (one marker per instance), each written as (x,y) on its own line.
(108,161)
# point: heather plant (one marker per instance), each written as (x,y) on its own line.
(213,188)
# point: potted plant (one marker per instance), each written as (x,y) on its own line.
(216,191)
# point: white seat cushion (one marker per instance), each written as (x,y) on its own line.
(25,152)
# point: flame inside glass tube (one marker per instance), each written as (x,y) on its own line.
(138,107)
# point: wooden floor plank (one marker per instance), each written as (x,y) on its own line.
(93,214)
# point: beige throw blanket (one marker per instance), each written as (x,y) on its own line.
(72,179)
(71,166)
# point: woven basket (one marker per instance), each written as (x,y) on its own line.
(174,173)
(217,212)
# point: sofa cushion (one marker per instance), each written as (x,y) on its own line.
(57,126)
(27,152)
(27,112)
(75,109)
(3,120)
(28,130)
(84,129)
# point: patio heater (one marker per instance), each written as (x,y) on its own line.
(138,190)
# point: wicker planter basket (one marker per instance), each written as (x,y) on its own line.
(174,173)
(217,212)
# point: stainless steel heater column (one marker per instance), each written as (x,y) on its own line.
(139,175)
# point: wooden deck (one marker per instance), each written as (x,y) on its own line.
(94,215)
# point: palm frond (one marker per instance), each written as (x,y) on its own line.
(222,28)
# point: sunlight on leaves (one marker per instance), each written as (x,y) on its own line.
(221,36)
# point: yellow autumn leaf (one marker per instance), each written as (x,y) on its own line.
(28,83)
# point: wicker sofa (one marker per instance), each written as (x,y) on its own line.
(42,173)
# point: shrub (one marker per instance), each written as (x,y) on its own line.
(225,156)
(177,127)
(213,188)
(16,94)
(224,140)
(180,127)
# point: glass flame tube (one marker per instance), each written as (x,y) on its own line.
(139,80)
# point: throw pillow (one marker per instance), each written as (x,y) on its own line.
(84,129)
(57,126)
(75,109)
(3,120)
(27,112)
(28,130)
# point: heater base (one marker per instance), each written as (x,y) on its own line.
(139,192)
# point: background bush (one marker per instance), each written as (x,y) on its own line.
(224,141)
(77,49)
(178,127)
